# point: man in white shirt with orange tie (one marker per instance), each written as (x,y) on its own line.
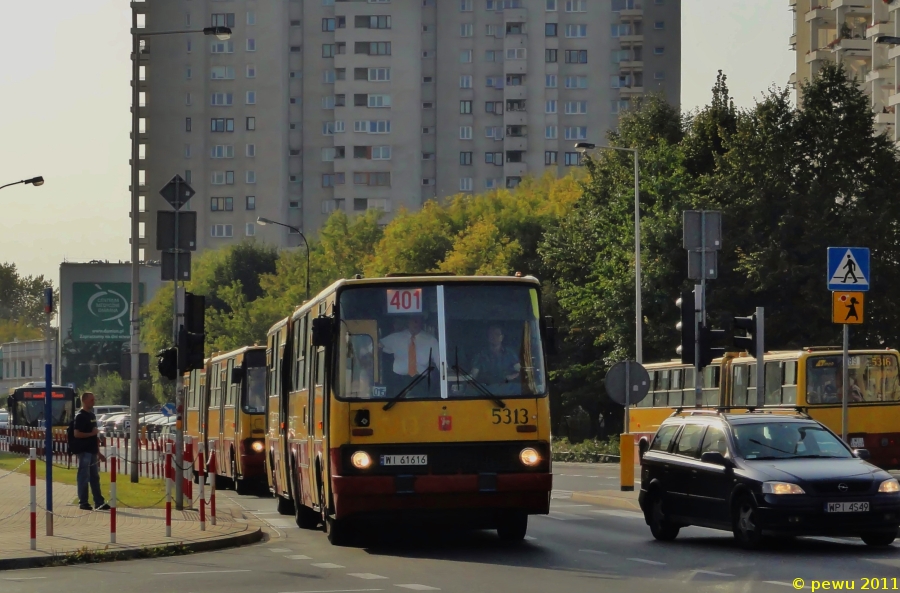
(411,348)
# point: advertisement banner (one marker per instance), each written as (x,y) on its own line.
(100,310)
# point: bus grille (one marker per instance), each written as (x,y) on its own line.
(449,458)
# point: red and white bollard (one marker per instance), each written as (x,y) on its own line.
(202,482)
(213,471)
(33,478)
(112,497)
(168,490)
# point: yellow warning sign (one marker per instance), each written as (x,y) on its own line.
(847,307)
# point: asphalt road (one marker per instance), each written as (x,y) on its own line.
(577,548)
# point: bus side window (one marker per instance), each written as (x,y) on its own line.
(774,381)
(711,378)
(661,396)
(320,367)
(303,353)
(739,385)
(789,384)
(675,387)
(647,401)
(752,398)
(689,397)
(298,353)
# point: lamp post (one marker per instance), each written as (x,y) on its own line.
(136,37)
(35,181)
(583,147)
(265,221)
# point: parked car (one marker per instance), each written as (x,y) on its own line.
(763,473)
(4,419)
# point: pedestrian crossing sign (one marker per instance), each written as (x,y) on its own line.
(848,268)
(847,307)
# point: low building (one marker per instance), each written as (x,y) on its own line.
(21,362)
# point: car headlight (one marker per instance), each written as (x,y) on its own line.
(891,485)
(781,488)
(257,446)
(360,460)
(529,457)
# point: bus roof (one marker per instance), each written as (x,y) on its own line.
(775,355)
(217,356)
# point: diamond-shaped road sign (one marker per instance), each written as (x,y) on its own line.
(177,192)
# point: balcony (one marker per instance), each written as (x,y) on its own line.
(884,28)
(515,169)
(854,7)
(894,99)
(632,14)
(884,119)
(854,47)
(824,15)
(631,65)
(792,4)
(884,74)
(515,143)
(819,54)
(515,15)
(792,42)
(511,93)
(628,91)
(630,39)
(792,81)
(515,66)
(894,52)
(515,118)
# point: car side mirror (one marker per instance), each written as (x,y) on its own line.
(237,374)
(322,329)
(716,458)
(862,454)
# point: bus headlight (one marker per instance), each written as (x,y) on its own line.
(891,485)
(361,460)
(257,446)
(529,457)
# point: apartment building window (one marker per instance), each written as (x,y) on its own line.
(340,100)
(466,30)
(576,133)
(221,230)
(251,177)
(379,101)
(221,47)
(187,124)
(465,158)
(379,74)
(465,56)
(381,153)
(576,82)
(494,82)
(221,73)
(373,48)
(327,128)
(576,107)
(465,81)
(328,153)
(550,81)
(189,45)
(550,29)
(427,105)
(251,18)
(250,150)
(621,29)
(550,157)
(576,56)
(576,31)
(515,80)
(465,5)
(494,132)
(250,229)
(251,124)
(491,30)
(550,106)
(656,76)
(221,99)
(550,132)
(251,98)
(187,73)
(576,5)
(328,102)
(339,74)
(374,179)
(375,126)
(658,51)
(222,20)
(251,45)
(187,151)
(493,55)
(328,180)
(493,158)
(221,204)
(250,202)
(340,48)
(620,105)
(573,159)
(620,81)
(293,204)
(551,5)
(360,74)
(373,22)
(187,99)
(465,107)
(515,53)
(187,176)
(221,151)
(659,25)
(327,50)
(465,132)
(495,107)
(466,184)
(328,24)
(550,56)
(187,20)
(328,76)
(222,178)
(251,71)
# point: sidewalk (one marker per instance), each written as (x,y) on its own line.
(75,529)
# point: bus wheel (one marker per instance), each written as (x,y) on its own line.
(512,528)
(240,486)
(285,506)
(338,531)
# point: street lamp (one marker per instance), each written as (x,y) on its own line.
(136,36)
(583,147)
(35,181)
(265,221)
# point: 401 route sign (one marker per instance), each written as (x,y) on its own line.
(848,268)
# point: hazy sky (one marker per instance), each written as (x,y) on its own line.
(65,97)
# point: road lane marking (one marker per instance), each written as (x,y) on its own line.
(327,565)
(644,561)
(626,514)
(416,587)
(714,573)
(279,550)
(563,516)
(570,506)
(337,591)
(598,552)
(23,578)
(298,557)
(365,575)
(204,571)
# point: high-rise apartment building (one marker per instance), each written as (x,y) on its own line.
(844,31)
(319,105)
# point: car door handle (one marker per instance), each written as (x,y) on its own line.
(693,471)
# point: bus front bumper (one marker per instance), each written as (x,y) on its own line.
(476,493)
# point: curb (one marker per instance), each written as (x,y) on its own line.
(606,501)
(136,553)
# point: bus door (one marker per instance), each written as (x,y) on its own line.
(319,416)
(298,417)
(229,419)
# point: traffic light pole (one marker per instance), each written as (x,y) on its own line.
(698,327)
(178,317)
(760,356)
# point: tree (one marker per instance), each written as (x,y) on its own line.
(21,304)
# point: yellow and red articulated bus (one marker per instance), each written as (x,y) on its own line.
(414,398)
(810,379)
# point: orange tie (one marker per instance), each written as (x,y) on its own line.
(412,356)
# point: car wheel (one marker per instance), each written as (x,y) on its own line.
(879,539)
(745,521)
(512,528)
(661,528)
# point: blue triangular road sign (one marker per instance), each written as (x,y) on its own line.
(848,268)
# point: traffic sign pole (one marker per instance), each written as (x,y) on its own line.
(846,379)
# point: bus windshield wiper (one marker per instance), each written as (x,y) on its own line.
(481,387)
(416,380)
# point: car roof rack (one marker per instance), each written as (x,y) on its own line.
(719,410)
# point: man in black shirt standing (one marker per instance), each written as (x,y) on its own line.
(89,456)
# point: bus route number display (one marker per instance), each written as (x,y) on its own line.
(406,300)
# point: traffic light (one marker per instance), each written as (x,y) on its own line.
(708,338)
(167,363)
(192,334)
(686,326)
(747,342)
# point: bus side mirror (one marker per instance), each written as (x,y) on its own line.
(322,330)
(237,374)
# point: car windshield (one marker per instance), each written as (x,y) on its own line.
(452,341)
(255,392)
(873,378)
(787,440)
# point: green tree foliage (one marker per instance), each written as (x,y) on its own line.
(112,389)
(21,304)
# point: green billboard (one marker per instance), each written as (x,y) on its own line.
(100,310)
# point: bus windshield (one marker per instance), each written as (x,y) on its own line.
(27,407)
(450,341)
(255,391)
(873,378)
